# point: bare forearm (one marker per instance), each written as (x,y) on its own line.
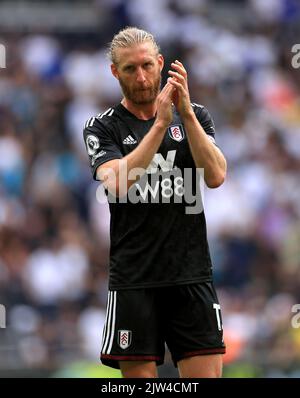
(141,156)
(205,154)
(118,175)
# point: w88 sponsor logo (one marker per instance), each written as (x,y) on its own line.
(161,182)
(167,188)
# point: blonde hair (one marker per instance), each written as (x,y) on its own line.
(128,37)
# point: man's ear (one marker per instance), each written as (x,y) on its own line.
(114,71)
(161,61)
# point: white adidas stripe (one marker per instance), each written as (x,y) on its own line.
(113,323)
(197,105)
(106,317)
(109,330)
(100,116)
(90,121)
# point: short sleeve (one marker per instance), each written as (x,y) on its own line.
(100,145)
(205,120)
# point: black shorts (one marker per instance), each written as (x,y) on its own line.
(140,321)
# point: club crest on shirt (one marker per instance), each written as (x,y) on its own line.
(124,338)
(176,132)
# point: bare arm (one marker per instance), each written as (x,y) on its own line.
(205,154)
(119,174)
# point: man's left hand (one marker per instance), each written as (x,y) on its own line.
(181,96)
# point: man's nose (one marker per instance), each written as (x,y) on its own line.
(140,75)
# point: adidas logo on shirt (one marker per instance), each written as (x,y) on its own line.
(129,140)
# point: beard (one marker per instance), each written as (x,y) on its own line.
(141,96)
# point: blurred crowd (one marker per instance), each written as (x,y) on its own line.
(54,235)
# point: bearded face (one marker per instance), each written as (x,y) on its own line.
(139,73)
(140,95)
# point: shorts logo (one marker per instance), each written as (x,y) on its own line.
(176,133)
(124,338)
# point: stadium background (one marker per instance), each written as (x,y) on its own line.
(54,235)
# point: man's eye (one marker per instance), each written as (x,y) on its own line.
(129,69)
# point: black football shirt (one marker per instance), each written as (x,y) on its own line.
(155,241)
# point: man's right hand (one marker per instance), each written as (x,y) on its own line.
(164,106)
